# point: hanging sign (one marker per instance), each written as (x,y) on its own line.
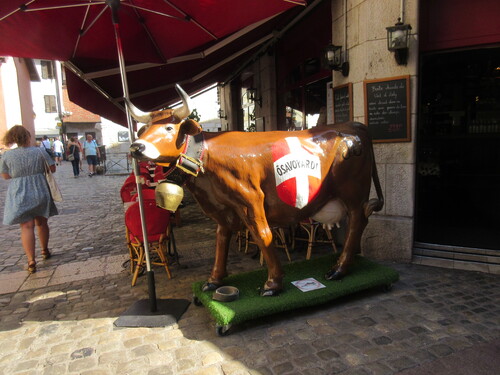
(387,109)
(342,103)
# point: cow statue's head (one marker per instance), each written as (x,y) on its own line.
(163,137)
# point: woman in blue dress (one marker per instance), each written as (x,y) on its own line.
(28,201)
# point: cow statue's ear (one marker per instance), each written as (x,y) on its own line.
(190,127)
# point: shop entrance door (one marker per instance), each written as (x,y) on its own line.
(458,152)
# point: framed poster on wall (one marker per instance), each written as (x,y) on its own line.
(342,103)
(387,109)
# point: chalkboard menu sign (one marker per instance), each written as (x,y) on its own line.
(387,109)
(342,103)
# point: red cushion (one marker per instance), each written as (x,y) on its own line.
(129,187)
(157,220)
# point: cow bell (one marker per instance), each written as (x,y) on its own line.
(168,195)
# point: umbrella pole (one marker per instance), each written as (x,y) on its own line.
(149,272)
(164,311)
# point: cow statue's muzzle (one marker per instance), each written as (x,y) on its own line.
(137,149)
(144,150)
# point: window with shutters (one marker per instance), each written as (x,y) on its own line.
(50,103)
(47,69)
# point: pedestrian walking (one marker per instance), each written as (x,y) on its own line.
(91,153)
(58,147)
(47,146)
(74,151)
(28,201)
(81,157)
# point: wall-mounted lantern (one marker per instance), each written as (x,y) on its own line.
(333,57)
(398,41)
(222,115)
(252,96)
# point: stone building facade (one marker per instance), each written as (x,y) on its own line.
(287,80)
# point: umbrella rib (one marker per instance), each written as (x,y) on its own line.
(64,6)
(298,2)
(148,32)
(154,11)
(187,17)
(15,10)
(80,34)
(83,32)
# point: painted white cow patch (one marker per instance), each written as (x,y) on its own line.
(297,172)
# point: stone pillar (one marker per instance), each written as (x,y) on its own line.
(268,92)
(389,234)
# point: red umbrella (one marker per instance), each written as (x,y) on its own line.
(91,35)
(151,30)
(177,40)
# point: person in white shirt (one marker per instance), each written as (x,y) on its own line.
(58,150)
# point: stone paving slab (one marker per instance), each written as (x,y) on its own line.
(69,328)
(484,358)
(51,325)
(11,282)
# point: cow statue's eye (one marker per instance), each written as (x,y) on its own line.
(169,128)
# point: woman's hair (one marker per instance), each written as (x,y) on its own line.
(17,134)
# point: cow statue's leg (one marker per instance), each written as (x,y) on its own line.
(356,226)
(263,237)
(219,270)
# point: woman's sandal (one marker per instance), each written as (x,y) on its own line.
(46,254)
(32,266)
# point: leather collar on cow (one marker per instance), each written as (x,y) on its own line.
(190,160)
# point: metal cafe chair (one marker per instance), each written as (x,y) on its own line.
(159,236)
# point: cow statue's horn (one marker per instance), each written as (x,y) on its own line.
(184,111)
(137,114)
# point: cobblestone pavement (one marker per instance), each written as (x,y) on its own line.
(60,320)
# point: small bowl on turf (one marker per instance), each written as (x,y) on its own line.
(226,294)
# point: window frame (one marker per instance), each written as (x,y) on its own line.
(50,103)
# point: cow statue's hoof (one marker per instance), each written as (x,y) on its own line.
(269,292)
(272,287)
(208,287)
(334,275)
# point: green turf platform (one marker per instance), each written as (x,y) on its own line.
(364,274)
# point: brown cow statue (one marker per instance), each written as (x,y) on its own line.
(267,179)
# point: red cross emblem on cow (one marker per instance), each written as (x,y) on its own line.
(297,170)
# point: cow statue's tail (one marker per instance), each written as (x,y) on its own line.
(375,204)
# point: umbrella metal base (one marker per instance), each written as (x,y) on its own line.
(168,312)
